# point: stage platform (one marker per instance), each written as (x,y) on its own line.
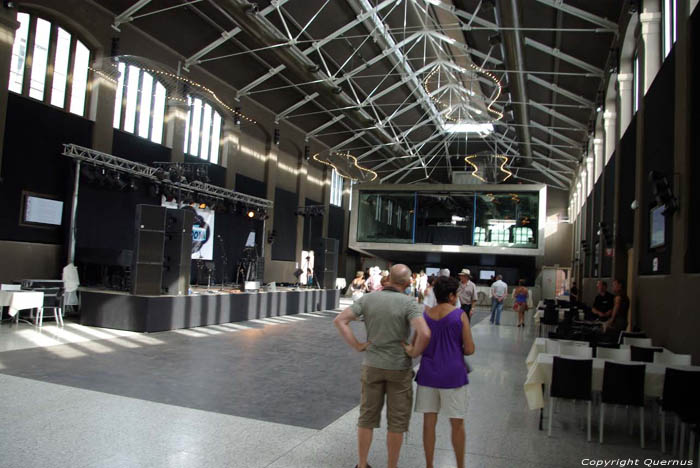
(124,311)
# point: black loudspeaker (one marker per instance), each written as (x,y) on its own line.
(178,252)
(149,239)
(326,262)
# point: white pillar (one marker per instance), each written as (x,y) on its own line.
(599,162)
(625,89)
(609,120)
(651,35)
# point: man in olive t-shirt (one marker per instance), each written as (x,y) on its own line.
(387,369)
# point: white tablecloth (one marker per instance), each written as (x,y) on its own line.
(539,313)
(541,373)
(20,300)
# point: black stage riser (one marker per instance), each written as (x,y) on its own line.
(160,313)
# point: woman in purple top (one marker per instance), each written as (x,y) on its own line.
(442,376)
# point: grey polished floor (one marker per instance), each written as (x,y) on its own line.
(277,393)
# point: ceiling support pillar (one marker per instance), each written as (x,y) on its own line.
(625,90)
(101,107)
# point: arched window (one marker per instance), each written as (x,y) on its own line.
(523,235)
(203,130)
(49,64)
(479,235)
(139,106)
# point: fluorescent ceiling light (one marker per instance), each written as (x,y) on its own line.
(480,128)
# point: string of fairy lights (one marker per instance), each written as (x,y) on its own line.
(354,162)
(489,107)
(502,168)
(199,86)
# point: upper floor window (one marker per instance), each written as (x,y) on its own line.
(202,130)
(669,25)
(336,189)
(637,80)
(139,106)
(49,64)
(352,182)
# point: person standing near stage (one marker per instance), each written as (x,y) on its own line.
(499,289)
(466,293)
(387,370)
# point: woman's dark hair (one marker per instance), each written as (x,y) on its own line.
(443,286)
(431,280)
(521,282)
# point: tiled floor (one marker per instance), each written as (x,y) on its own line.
(280,392)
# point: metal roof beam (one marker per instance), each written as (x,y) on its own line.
(554,149)
(550,175)
(555,134)
(559,90)
(317,45)
(225,36)
(583,14)
(127,15)
(565,57)
(554,162)
(558,115)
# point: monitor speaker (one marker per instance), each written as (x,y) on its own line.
(326,262)
(149,240)
(177,258)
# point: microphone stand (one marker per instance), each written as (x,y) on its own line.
(223,261)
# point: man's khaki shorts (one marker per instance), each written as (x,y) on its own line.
(397,385)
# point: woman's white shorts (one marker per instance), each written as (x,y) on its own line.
(450,402)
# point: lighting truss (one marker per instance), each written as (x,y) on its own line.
(97,158)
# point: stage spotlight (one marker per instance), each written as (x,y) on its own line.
(233,207)
(88,172)
(237,116)
(307,153)
(154,190)
(251,214)
(202,206)
(168,192)
(276,137)
(187,198)
(132,185)
(101,176)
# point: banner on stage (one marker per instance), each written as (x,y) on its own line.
(202,230)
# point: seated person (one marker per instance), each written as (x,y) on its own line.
(619,319)
(603,303)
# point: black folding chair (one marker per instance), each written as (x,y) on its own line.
(624,334)
(549,318)
(623,384)
(643,354)
(53,299)
(681,389)
(571,379)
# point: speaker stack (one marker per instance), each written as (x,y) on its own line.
(326,263)
(149,243)
(178,251)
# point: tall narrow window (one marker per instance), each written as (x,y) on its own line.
(40,58)
(352,182)
(139,105)
(42,52)
(19,53)
(669,25)
(202,130)
(60,68)
(336,189)
(80,78)
(637,80)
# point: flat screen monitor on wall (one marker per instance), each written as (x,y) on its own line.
(486,275)
(657,227)
(41,210)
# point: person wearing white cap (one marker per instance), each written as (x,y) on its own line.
(466,293)
(429,300)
